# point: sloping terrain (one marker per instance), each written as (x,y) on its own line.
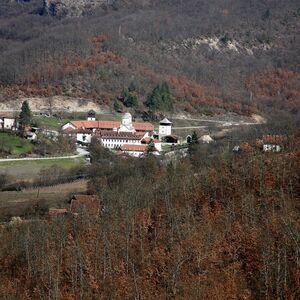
(215,55)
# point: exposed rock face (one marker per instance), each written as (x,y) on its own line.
(73,7)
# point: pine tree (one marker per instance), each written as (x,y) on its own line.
(25,117)
(117,106)
(193,145)
(195,139)
(160,98)
(130,99)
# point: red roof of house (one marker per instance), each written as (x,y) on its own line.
(146,140)
(70,130)
(137,148)
(273,139)
(145,126)
(139,133)
(96,124)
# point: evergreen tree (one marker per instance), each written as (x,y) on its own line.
(166,96)
(160,98)
(193,145)
(117,106)
(25,117)
(130,99)
(195,139)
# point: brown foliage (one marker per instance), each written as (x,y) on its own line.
(231,232)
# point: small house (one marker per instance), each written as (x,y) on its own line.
(8,123)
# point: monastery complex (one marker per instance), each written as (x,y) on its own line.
(133,138)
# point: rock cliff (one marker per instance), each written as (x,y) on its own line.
(73,7)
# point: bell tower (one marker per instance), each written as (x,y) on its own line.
(165,127)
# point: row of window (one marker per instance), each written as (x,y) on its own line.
(112,145)
(120,141)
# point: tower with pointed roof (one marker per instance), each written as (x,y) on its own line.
(165,127)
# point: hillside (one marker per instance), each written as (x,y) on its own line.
(212,226)
(216,56)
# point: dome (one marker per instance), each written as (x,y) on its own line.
(126,116)
(127,120)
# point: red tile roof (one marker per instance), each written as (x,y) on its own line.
(70,130)
(148,140)
(96,124)
(145,126)
(137,148)
(273,139)
(139,133)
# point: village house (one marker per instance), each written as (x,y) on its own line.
(137,150)
(8,123)
(270,143)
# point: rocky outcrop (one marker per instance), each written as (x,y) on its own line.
(73,7)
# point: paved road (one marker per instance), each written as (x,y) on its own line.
(188,127)
(81,152)
(225,123)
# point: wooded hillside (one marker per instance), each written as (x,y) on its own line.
(215,55)
(213,226)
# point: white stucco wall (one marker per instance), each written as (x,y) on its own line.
(9,123)
(84,137)
(68,125)
(165,130)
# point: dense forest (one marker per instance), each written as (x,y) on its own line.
(216,56)
(214,225)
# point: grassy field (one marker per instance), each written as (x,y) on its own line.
(15,144)
(50,122)
(25,170)
(32,202)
